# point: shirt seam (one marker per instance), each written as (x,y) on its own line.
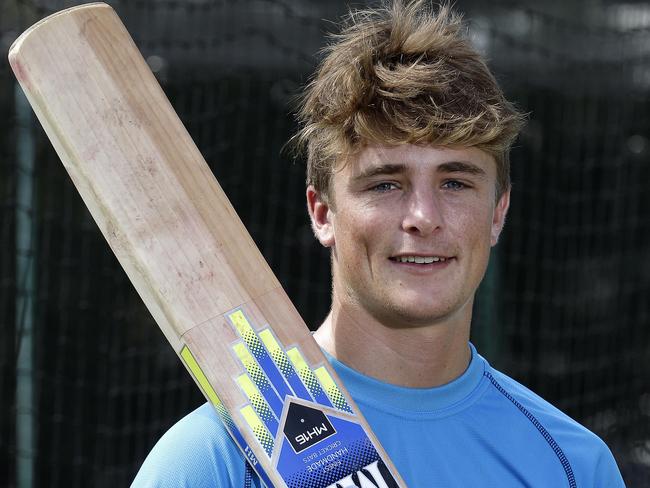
(566,465)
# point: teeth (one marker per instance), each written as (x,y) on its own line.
(420,259)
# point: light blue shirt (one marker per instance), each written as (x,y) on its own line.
(481,430)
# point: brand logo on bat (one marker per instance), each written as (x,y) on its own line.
(375,475)
(315,433)
(305,426)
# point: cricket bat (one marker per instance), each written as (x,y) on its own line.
(190,257)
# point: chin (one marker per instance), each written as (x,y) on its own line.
(403,315)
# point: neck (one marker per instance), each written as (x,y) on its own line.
(416,357)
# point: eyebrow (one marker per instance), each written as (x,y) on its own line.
(449,167)
(382,169)
(462,167)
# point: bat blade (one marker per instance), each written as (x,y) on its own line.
(190,257)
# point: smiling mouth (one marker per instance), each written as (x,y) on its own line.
(419,259)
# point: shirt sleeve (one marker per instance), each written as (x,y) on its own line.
(196,452)
(607,472)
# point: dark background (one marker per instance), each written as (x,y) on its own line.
(565,304)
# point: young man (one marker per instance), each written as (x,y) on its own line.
(407,135)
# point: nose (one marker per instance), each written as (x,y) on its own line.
(423,214)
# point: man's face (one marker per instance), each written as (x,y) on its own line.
(410,229)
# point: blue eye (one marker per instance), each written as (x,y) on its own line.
(384,187)
(454,185)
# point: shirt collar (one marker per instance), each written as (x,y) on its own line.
(391,398)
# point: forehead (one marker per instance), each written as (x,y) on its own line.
(417,158)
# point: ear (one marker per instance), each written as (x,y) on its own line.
(499,216)
(321,216)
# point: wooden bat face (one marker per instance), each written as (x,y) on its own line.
(189,256)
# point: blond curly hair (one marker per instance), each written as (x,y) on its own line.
(403,73)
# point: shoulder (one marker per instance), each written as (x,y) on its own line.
(534,406)
(583,454)
(196,452)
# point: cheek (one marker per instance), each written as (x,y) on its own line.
(474,235)
(355,236)
(471,222)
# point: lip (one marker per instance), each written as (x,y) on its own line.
(418,255)
(423,267)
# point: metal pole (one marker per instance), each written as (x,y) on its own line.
(25,302)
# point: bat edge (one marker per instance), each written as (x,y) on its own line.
(14,49)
